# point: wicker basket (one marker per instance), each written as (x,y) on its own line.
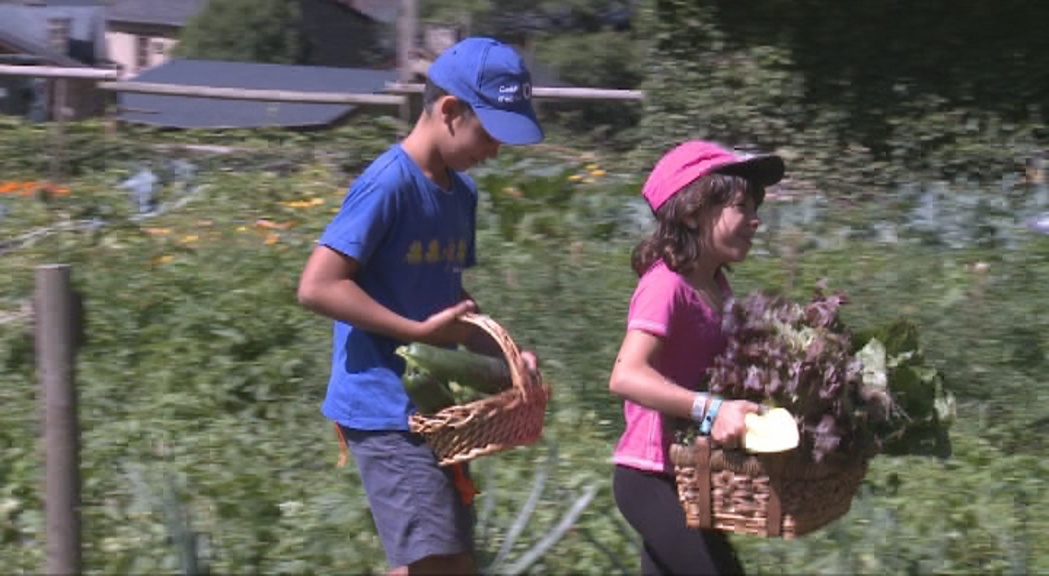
(771,495)
(496,423)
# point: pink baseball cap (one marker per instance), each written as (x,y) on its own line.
(691,160)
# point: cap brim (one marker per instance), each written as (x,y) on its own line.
(765,170)
(509,127)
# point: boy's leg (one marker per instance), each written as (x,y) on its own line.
(422,522)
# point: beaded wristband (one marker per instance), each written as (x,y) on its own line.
(699,405)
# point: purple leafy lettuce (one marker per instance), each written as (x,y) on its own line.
(801,357)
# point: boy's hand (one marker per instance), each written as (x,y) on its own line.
(730,424)
(445,328)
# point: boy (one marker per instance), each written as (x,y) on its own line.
(388,270)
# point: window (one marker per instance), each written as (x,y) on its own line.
(141,52)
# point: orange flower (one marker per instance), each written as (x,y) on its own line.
(29,187)
(270,224)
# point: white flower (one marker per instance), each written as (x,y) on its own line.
(8,506)
(290,508)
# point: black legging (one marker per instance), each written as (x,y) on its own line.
(649,502)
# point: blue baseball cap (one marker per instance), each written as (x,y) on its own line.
(491,77)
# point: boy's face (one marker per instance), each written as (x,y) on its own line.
(466,142)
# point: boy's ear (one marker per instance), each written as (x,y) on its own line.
(448,107)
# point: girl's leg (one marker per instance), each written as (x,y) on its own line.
(648,565)
(649,502)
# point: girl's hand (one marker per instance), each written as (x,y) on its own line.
(730,424)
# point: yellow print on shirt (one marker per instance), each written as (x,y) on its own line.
(415,253)
(453,253)
(449,251)
(433,254)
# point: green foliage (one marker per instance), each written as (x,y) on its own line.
(27,150)
(603,59)
(856,97)
(244,30)
(894,363)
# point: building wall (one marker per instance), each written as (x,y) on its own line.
(136,49)
(14,92)
(83,99)
(34,98)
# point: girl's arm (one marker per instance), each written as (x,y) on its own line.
(329,287)
(635,378)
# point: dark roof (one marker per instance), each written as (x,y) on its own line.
(188,112)
(44,53)
(24,28)
(160,12)
(68,2)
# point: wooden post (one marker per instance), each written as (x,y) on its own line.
(58,113)
(56,330)
(111,112)
(407,24)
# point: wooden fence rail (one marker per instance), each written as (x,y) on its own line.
(55,72)
(543,92)
(250,94)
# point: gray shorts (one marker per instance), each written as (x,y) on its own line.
(414,503)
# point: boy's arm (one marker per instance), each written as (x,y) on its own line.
(329,287)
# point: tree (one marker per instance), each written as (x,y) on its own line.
(244,30)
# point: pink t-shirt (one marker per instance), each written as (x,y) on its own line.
(666,305)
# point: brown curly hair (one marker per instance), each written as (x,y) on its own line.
(673,241)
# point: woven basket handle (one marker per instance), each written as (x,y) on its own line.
(520,376)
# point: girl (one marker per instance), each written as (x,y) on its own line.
(705,199)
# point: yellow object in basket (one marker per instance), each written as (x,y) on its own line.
(773,431)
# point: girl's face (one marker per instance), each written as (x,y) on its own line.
(728,229)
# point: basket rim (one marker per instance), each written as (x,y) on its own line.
(737,459)
(525,386)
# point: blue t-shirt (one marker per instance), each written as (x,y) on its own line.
(413,239)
